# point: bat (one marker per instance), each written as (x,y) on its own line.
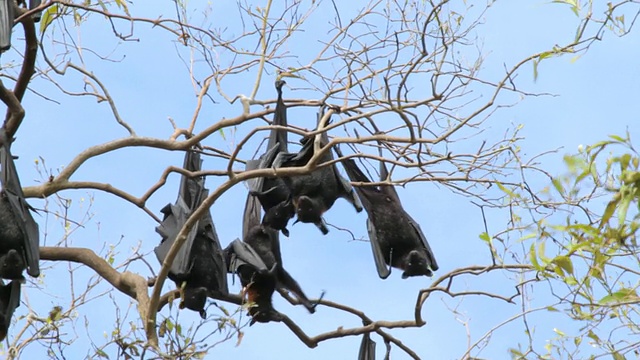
(367,348)
(199,270)
(9,301)
(315,193)
(266,260)
(19,232)
(273,192)
(396,238)
(258,281)
(6,23)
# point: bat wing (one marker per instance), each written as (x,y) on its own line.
(13,190)
(430,257)
(208,229)
(355,174)
(345,189)
(279,137)
(9,301)
(190,195)
(367,348)
(378,255)
(175,216)
(277,143)
(388,190)
(6,24)
(266,161)
(251,217)
(240,253)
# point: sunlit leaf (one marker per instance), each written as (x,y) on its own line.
(617,356)
(565,263)
(619,296)
(48,16)
(609,210)
(533,258)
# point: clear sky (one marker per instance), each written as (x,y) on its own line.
(594,96)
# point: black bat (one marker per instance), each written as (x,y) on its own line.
(367,348)
(273,192)
(9,301)
(19,233)
(315,193)
(264,242)
(6,23)
(199,270)
(396,239)
(258,281)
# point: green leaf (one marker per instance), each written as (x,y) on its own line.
(101,353)
(565,263)
(591,335)
(622,210)
(557,183)
(609,210)
(485,237)
(48,16)
(617,138)
(533,258)
(559,332)
(621,295)
(617,356)
(527,237)
(505,190)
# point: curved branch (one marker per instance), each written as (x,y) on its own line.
(133,285)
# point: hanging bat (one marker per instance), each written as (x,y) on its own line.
(6,23)
(273,192)
(199,269)
(265,260)
(266,243)
(315,193)
(396,239)
(367,348)
(258,281)
(19,232)
(9,301)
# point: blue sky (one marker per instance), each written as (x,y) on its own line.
(596,96)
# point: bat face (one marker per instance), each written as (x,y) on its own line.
(416,264)
(11,265)
(278,216)
(259,293)
(195,299)
(310,210)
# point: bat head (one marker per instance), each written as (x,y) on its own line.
(308,210)
(11,265)
(195,299)
(416,264)
(264,315)
(278,216)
